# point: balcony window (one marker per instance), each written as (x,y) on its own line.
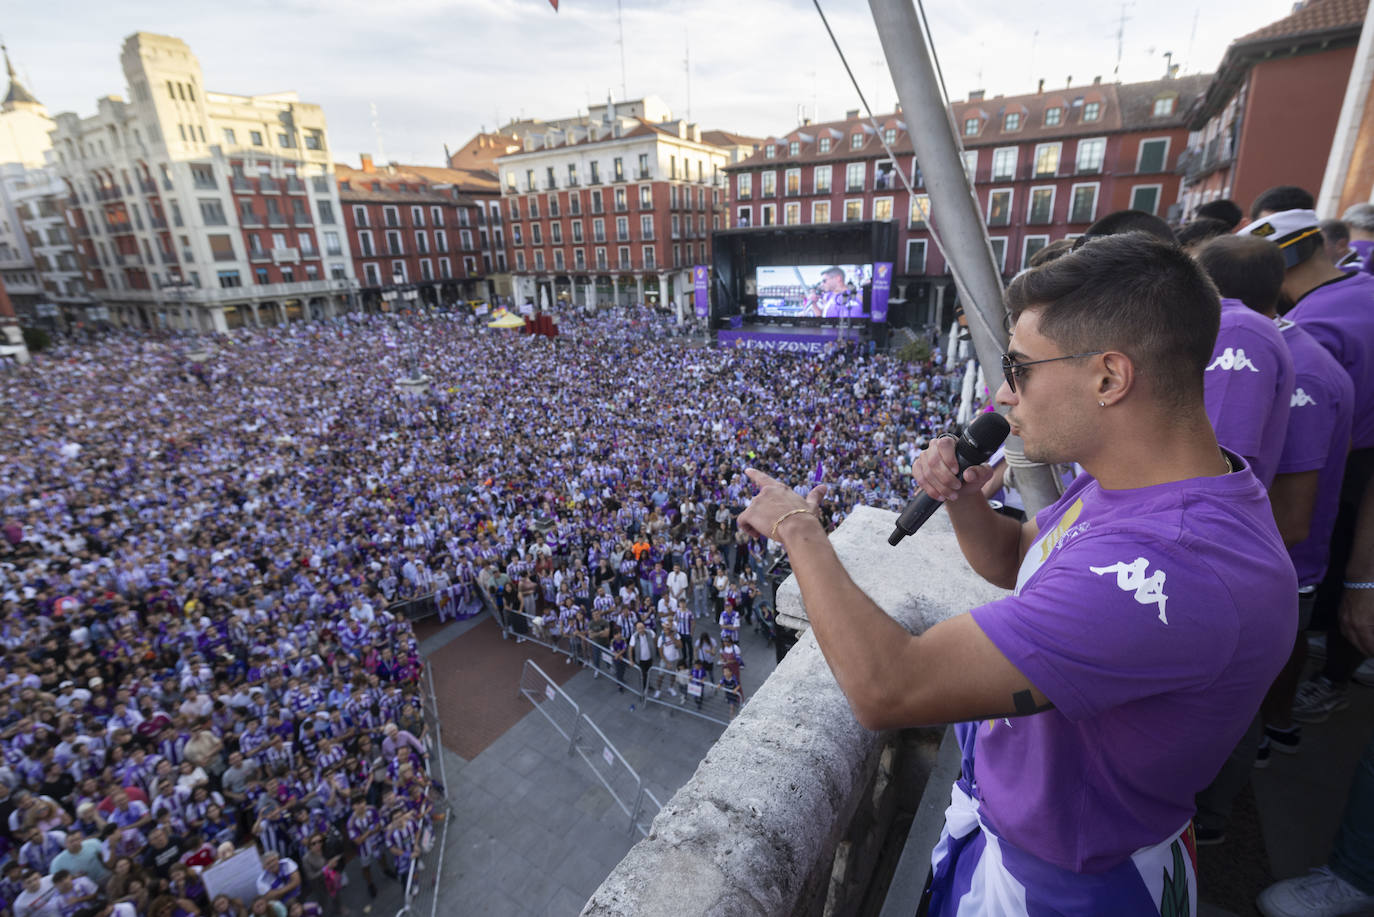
(1041,205)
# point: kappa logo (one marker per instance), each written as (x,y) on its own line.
(1301,399)
(1233,359)
(1130,577)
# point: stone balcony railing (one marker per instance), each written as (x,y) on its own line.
(787,811)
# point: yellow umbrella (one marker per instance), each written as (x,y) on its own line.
(507,320)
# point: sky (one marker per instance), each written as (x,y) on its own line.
(438,71)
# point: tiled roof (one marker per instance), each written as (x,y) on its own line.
(420,181)
(1315,16)
(1320,25)
(1119,107)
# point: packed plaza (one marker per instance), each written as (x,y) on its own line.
(283,438)
(199,559)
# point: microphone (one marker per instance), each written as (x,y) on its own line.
(981,439)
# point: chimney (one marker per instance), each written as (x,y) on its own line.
(851,114)
(367,163)
(805,121)
(1068,81)
(976,95)
(1097,81)
(1039,90)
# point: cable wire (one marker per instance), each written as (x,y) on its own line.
(974,313)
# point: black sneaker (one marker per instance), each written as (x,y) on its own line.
(1262,754)
(1287,741)
(1208,837)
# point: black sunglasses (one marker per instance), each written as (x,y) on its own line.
(1011,369)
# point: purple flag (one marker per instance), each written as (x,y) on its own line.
(882,289)
(702,284)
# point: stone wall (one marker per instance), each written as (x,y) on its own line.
(757,829)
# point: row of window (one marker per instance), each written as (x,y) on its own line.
(682,255)
(372,272)
(573,174)
(1090,155)
(1054,117)
(391,216)
(680,225)
(825,142)
(395,241)
(621,198)
(230,278)
(1040,207)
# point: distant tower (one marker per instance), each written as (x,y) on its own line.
(18,98)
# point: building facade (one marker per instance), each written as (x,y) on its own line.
(198,209)
(615,206)
(38,261)
(433,232)
(1043,167)
(1269,116)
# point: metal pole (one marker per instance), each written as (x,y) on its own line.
(955,210)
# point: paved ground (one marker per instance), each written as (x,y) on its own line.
(534,833)
(532,830)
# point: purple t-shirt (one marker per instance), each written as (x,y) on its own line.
(1154,619)
(1318,438)
(1248,387)
(1340,315)
(1365,248)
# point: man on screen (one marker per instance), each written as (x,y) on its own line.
(837,299)
(1151,606)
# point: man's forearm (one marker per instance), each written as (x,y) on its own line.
(855,635)
(990,541)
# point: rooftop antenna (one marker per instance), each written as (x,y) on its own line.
(687,65)
(1120,41)
(1188,58)
(815,115)
(620,21)
(377,132)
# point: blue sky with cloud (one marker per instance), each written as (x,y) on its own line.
(438,71)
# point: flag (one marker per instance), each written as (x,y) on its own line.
(819,474)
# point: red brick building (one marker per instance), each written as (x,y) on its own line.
(1044,167)
(1269,116)
(434,232)
(614,206)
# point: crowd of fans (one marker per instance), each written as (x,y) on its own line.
(201,566)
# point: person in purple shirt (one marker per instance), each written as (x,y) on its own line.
(1359,222)
(1337,309)
(1305,493)
(1152,605)
(1248,386)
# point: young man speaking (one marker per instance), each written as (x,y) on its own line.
(1152,605)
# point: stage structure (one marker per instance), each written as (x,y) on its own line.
(800,287)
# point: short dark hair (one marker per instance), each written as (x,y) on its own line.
(1247,268)
(838,271)
(1131,221)
(1133,293)
(1281,198)
(1202,229)
(1224,209)
(1056,249)
(1334,230)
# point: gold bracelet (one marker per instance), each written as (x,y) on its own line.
(773,535)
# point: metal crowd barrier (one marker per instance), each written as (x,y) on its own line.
(422,894)
(550,700)
(608,766)
(701,699)
(715,705)
(646,808)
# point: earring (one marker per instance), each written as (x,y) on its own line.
(1102,404)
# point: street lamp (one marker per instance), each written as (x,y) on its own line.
(414,382)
